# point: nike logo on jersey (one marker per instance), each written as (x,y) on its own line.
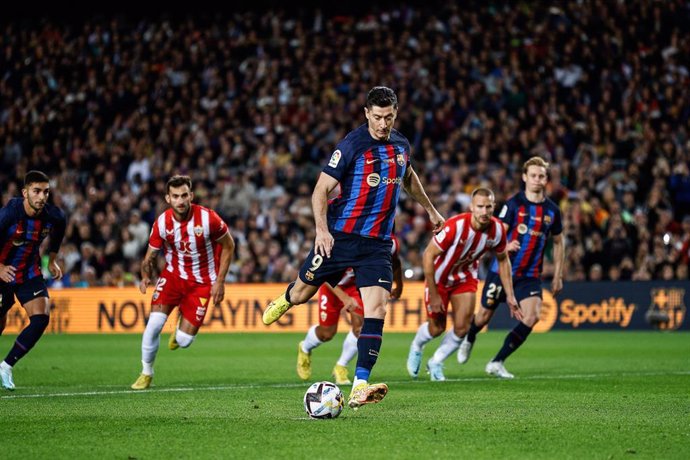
(372,161)
(534,293)
(384,281)
(522,214)
(38,292)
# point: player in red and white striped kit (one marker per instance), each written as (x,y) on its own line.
(332,300)
(198,249)
(450,265)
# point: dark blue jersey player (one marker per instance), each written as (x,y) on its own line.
(530,218)
(24,224)
(371,165)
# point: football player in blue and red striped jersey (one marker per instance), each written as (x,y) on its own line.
(24,224)
(371,165)
(530,218)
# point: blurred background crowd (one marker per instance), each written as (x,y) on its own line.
(251,105)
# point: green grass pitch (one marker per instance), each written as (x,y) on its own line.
(576,395)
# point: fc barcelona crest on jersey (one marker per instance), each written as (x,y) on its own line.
(198,230)
(547,219)
(401,159)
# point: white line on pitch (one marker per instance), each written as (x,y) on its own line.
(304,385)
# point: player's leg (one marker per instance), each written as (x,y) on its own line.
(531,308)
(492,296)
(33,296)
(166,295)
(315,271)
(193,309)
(340,372)
(463,306)
(150,342)
(6,302)
(375,299)
(329,314)
(433,327)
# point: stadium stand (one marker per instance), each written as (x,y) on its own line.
(251,104)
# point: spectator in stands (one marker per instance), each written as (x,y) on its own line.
(253,105)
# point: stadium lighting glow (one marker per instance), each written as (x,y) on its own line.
(409,273)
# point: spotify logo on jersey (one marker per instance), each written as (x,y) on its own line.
(373,179)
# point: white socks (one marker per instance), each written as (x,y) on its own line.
(311,341)
(421,338)
(349,349)
(150,340)
(183,339)
(449,345)
(357,382)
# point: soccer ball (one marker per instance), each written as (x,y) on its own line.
(323,400)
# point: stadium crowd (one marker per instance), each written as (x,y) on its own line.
(250,105)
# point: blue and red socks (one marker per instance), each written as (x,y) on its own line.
(513,340)
(28,338)
(368,347)
(472,333)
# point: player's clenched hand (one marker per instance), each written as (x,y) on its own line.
(437,221)
(55,270)
(350,304)
(7,273)
(323,243)
(435,303)
(396,292)
(143,284)
(514,306)
(513,246)
(218,292)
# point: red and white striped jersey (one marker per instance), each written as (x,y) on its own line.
(191,247)
(462,247)
(348,278)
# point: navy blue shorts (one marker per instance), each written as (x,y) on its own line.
(493,293)
(370,258)
(25,292)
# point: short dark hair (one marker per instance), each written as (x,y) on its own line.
(483,191)
(381,96)
(35,176)
(178,181)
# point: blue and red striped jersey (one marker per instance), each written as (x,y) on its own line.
(370,173)
(531,224)
(21,237)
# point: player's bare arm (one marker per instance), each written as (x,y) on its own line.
(505,271)
(430,253)
(319,202)
(227,244)
(147,268)
(349,303)
(397,290)
(413,186)
(511,246)
(53,267)
(559,261)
